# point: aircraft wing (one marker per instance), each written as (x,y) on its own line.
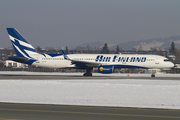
(82,63)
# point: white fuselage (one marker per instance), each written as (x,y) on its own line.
(119,60)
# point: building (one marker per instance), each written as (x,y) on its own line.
(13,64)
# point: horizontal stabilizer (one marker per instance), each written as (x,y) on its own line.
(18,59)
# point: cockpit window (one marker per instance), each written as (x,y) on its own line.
(166,60)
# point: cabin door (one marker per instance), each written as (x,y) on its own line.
(37,58)
(157,61)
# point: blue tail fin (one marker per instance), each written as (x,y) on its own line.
(21,46)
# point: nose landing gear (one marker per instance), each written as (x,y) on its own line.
(153,73)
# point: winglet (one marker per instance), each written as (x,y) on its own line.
(65,56)
(72,52)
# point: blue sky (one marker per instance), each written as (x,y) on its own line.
(57,23)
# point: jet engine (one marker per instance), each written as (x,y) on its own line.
(106,69)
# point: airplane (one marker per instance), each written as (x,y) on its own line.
(105,63)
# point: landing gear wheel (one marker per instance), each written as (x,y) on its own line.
(88,71)
(87,74)
(152,75)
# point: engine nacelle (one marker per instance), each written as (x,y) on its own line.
(106,69)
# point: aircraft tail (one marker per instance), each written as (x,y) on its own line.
(21,46)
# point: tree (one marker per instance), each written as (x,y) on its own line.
(105,49)
(49,48)
(153,49)
(134,49)
(117,50)
(172,48)
(38,49)
(140,48)
(177,54)
(1,64)
(160,52)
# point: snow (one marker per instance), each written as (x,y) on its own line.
(110,92)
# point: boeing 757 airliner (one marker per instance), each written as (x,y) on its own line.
(106,63)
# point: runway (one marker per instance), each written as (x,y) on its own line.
(79,77)
(54,112)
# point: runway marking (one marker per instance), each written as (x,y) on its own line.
(90,113)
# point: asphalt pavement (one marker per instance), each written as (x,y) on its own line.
(79,77)
(9,111)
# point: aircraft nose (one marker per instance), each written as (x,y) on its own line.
(171,65)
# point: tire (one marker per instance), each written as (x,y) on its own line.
(152,75)
(87,74)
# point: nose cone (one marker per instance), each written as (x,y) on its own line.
(171,65)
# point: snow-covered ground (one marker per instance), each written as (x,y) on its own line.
(113,92)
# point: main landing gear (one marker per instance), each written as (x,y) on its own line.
(153,73)
(88,71)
